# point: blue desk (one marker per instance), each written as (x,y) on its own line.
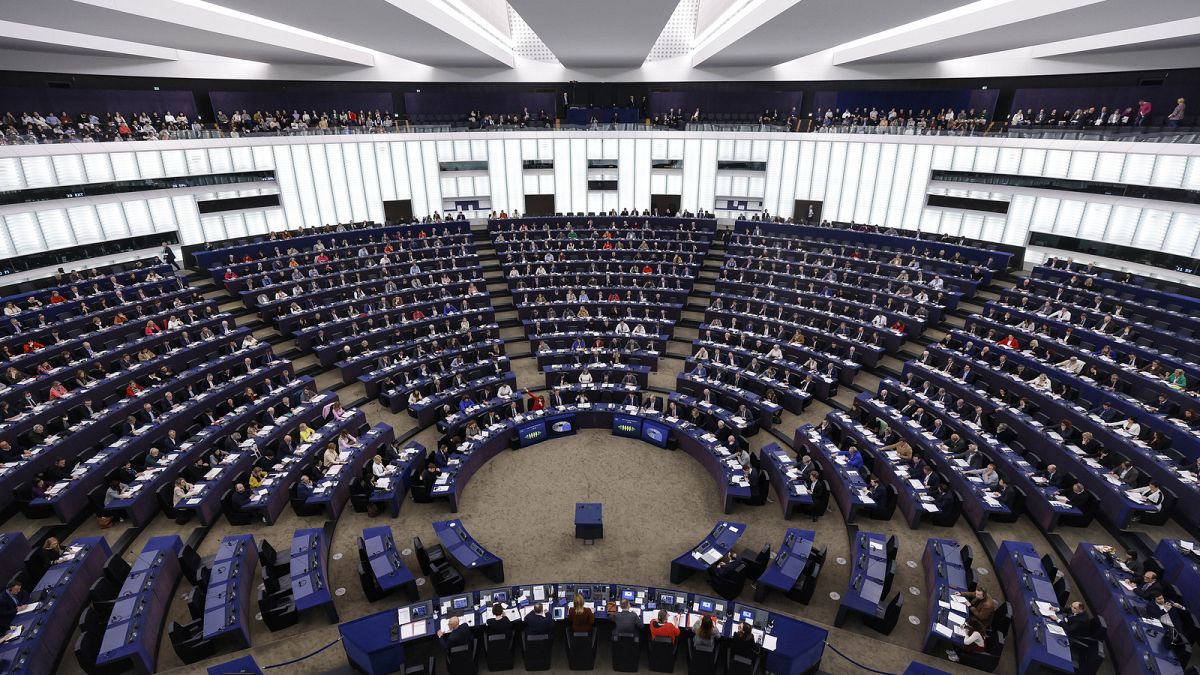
(1136,646)
(62,593)
(702,556)
(377,643)
(402,472)
(1182,568)
(227,602)
(790,487)
(384,562)
(333,489)
(995,260)
(132,635)
(469,553)
(695,441)
(946,575)
(310,571)
(589,521)
(790,563)
(873,558)
(1025,582)
(847,487)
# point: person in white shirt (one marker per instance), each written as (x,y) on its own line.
(378,468)
(1131,427)
(330,457)
(1072,365)
(775,353)
(1152,494)
(639,329)
(1041,382)
(504,391)
(585,377)
(1063,314)
(879,320)
(622,328)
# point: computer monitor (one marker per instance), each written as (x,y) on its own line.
(460,602)
(586,592)
(560,613)
(418,611)
(500,596)
(746,615)
(706,606)
(666,599)
(628,594)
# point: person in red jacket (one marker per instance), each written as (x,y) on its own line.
(32,346)
(133,389)
(56,298)
(1010,342)
(152,328)
(662,626)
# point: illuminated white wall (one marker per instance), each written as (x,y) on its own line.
(881,180)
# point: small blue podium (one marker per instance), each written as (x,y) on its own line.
(589,522)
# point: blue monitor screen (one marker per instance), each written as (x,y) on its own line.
(586,593)
(500,596)
(666,599)
(627,595)
(747,615)
(459,603)
(706,606)
(418,611)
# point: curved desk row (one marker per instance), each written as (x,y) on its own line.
(534,427)
(377,643)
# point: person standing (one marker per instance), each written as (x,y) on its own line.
(1176,115)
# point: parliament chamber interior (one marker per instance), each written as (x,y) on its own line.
(775,338)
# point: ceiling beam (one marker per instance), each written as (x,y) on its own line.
(94,43)
(207,17)
(1129,37)
(966,20)
(456,19)
(736,23)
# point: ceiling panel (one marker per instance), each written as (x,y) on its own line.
(1084,21)
(810,26)
(590,34)
(87,18)
(375,24)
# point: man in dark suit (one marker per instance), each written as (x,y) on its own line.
(1077,624)
(931,480)
(939,430)
(1150,587)
(537,623)
(12,598)
(1054,477)
(1008,493)
(1165,407)
(816,488)
(458,635)
(1107,413)
(878,493)
(944,500)
(241,496)
(304,488)
(1079,497)
(168,444)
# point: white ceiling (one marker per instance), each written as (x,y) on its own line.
(590,40)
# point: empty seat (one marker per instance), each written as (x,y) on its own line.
(662,654)
(536,650)
(626,652)
(581,649)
